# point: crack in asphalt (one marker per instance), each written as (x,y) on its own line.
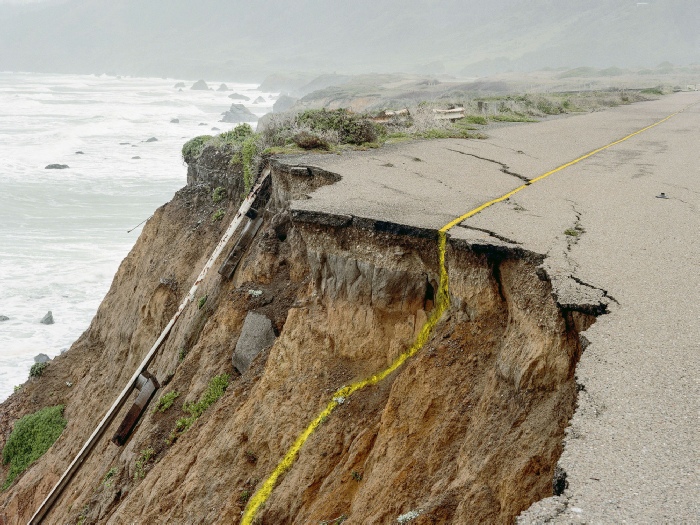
(504,167)
(489,232)
(605,292)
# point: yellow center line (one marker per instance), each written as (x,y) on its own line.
(442,302)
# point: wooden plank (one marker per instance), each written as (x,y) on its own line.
(262,186)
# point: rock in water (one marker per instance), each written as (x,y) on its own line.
(283,103)
(42,358)
(175,121)
(200,85)
(238,96)
(259,100)
(179,85)
(57,167)
(80,153)
(136,157)
(152,139)
(4,318)
(237,114)
(47,319)
(223,87)
(257,335)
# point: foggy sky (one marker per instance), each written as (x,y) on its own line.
(249,39)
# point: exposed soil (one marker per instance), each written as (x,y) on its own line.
(468,431)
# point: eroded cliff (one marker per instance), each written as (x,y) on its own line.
(467,431)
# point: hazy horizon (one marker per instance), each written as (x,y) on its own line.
(249,40)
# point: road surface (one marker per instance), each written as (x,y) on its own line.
(631,451)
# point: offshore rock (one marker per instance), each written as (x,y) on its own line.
(223,87)
(200,85)
(238,96)
(47,319)
(4,318)
(237,114)
(57,167)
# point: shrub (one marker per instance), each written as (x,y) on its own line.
(238,134)
(166,401)
(193,148)
(351,127)
(37,369)
(307,140)
(31,437)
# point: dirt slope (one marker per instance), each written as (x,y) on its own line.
(468,431)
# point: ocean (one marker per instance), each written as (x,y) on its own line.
(63,233)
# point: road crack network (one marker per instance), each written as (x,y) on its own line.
(504,167)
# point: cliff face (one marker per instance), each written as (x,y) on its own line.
(469,430)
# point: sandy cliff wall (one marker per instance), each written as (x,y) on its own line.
(467,431)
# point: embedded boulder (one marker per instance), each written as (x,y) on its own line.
(257,335)
(41,358)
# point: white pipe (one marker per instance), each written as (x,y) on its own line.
(114,409)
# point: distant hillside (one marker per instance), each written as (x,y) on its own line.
(249,39)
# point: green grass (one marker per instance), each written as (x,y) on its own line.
(571,232)
(108,478)
(202,301)
(511,117)
(166,401)
(218,194)
(474,119)
(145,458)
(218,215)
(217,387)
(653,91)
(249,150)
(31,437)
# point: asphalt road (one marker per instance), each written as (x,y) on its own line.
(632,449)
